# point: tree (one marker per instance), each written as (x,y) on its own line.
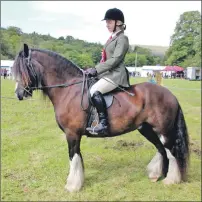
(145,56)
(69,39)
(158,60)
(85,60)
(3,57)
(130,59)
(141,60)
(14,31)
(96,55)
(35,39)
(186,40)
(61,38)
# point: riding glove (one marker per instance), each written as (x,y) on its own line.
(91,72)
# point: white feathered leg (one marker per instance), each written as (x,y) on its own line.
(75,179)
(173,175)
(155,166)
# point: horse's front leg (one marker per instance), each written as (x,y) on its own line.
(75,179)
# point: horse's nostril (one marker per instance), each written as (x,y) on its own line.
(19,97)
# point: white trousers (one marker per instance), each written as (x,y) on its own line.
(102,86)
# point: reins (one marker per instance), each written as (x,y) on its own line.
(57,85)
(85,81)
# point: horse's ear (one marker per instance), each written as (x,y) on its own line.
(26,50)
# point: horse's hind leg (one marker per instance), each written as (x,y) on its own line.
(173,175)
(159,164)
(75,179)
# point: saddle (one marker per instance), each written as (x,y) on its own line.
(92,118)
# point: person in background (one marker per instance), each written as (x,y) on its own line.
(5,73)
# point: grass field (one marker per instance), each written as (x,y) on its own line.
(34,158)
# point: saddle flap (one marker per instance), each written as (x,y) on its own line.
(108,100)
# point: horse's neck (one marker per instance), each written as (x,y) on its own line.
(64,95)
(51,80)
(52,74)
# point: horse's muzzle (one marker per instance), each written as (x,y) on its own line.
(19,97)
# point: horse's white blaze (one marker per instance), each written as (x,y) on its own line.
(16,85)
(75,179)
(162,139)
(155,166)
(173,175)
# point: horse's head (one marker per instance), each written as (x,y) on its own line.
(24,73)
(37,68)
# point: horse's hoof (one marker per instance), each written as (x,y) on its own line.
(155,179)
(70,188)
(168,181)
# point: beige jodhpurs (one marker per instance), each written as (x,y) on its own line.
(102,86)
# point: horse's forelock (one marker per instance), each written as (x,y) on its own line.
(20,70)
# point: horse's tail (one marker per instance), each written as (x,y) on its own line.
(181,145)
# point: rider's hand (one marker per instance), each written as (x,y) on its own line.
(91,72)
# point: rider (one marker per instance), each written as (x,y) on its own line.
(111,67)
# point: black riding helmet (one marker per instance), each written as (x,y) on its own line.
(114,14)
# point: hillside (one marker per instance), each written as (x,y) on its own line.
(156,50)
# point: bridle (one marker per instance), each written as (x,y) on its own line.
(30,67)
(34,74)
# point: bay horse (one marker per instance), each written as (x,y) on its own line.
(149,108)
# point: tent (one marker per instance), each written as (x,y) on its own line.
(173,68)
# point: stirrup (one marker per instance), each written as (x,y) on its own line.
(91,130)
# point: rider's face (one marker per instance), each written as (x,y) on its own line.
(110,25)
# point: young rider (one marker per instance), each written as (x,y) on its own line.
(111,68)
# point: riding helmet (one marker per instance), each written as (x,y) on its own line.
(114,14)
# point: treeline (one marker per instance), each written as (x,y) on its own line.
(185,48)
(82,53)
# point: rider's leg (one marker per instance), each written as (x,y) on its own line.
(97,91)
(100,105)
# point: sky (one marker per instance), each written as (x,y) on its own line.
(148,22)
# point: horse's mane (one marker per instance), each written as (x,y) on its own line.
(63,67)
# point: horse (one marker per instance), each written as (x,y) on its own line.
(149,108)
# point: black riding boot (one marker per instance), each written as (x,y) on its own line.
(99,103)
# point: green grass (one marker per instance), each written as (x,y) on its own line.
(35,161)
